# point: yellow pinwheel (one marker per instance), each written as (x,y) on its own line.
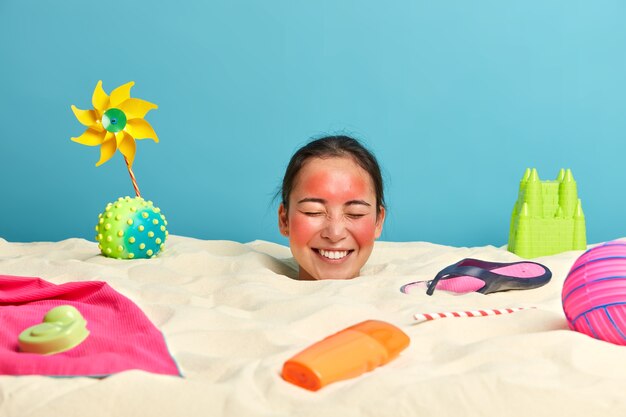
(115,122)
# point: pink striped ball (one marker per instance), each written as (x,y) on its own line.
(594,293)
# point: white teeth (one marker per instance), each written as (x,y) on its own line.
(333,254)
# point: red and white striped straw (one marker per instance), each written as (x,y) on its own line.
(469,313)
(132,178)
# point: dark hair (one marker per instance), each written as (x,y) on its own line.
(334,146)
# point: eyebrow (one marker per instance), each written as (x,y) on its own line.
(322,201)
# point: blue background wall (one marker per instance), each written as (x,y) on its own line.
(456,98)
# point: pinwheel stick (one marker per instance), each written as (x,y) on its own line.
(132,178)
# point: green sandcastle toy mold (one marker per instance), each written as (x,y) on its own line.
(62,329)
(548,216)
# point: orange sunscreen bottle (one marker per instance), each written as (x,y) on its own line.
(346,354)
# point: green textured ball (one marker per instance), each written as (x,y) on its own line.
(131,228)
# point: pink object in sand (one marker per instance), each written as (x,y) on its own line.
(121,336)
(475,275)
(594,293)
(468,313)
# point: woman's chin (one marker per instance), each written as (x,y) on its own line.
(326,275)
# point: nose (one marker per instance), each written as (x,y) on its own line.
(334,229)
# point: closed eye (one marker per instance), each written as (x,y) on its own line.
(355,216)
(313,213)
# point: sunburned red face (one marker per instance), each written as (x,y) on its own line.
(332,221)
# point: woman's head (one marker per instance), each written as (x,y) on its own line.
(334,147)
(332,207)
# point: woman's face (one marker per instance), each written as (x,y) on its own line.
(331,222)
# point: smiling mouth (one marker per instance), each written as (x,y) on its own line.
(333,255)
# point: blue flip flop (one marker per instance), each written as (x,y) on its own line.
(473,275)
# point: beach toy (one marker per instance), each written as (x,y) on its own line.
(131,228)
(547,217)
(128,228)
(346,354)
(594,293)
(62,328)
(420,317)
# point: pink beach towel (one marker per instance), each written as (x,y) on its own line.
(121,336)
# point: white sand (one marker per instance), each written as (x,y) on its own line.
(231,316)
